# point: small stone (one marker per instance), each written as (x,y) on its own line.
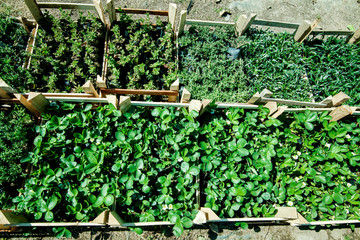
(224,13)
(227,17)
(217,1)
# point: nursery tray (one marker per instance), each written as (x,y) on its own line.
(173,92)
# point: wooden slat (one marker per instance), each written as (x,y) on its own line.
(279,111)
(208,23)
(304,30)
(293,102)
(185,96)
(332,32)
(38,101)
(89,88)
(113,100)
(100,10)
(111,10)
(172,14)
(339,99)
(145,224)
(243,23)
(334,222)
(28,105)
(355,38)
(5,89)
(236,105)
(60,224)
(271,23)
(182,22)
(34,9)
(143,11)
(139,92)
(341,112)
(30,47)
(22,20)
(77,95)
(101,80)
(264,219)
(195,105)
(124,103)
(79,6)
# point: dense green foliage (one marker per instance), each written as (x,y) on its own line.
(206,70)
(314,69)
(67,54)
(15,136)
(147,162)
(13,41)
(309,71)
(85,160)
(252,162)
(141,56)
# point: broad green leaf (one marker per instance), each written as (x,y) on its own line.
(185,167)
(194,170)
(339,199)
(328,199)
(186,222)
(49,216)
(109,200)
(52,202)
(90,156)
(88,107)
(309,126)
(99,201)
(120,136)
(178,228)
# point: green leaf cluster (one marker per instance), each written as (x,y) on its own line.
(13,41)
(67,53)
(15,142)
(141,56)
(85,161)
(254,163)
(314,69)
(206,70)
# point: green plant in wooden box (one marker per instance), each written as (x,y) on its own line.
(141,56)
(252,162)
(85,160)
(68,53)
(15,141)
(209,64)
(13,41)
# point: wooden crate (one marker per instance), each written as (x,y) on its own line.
(244,22)
(171,93)
(35,8)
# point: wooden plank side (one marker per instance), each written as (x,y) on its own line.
(34,9)
(355,38)
(243,23)
(5,89)
(89,88)
(79,6)
(172,14)
(111,10)
(304,30)
(30,47)
(331,32)
(100,10)
(293,102)
(270,23)
(207,23)
(182,22)
(28,105)
(143,11)
(139,92)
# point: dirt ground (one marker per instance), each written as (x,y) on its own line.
(334,14)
